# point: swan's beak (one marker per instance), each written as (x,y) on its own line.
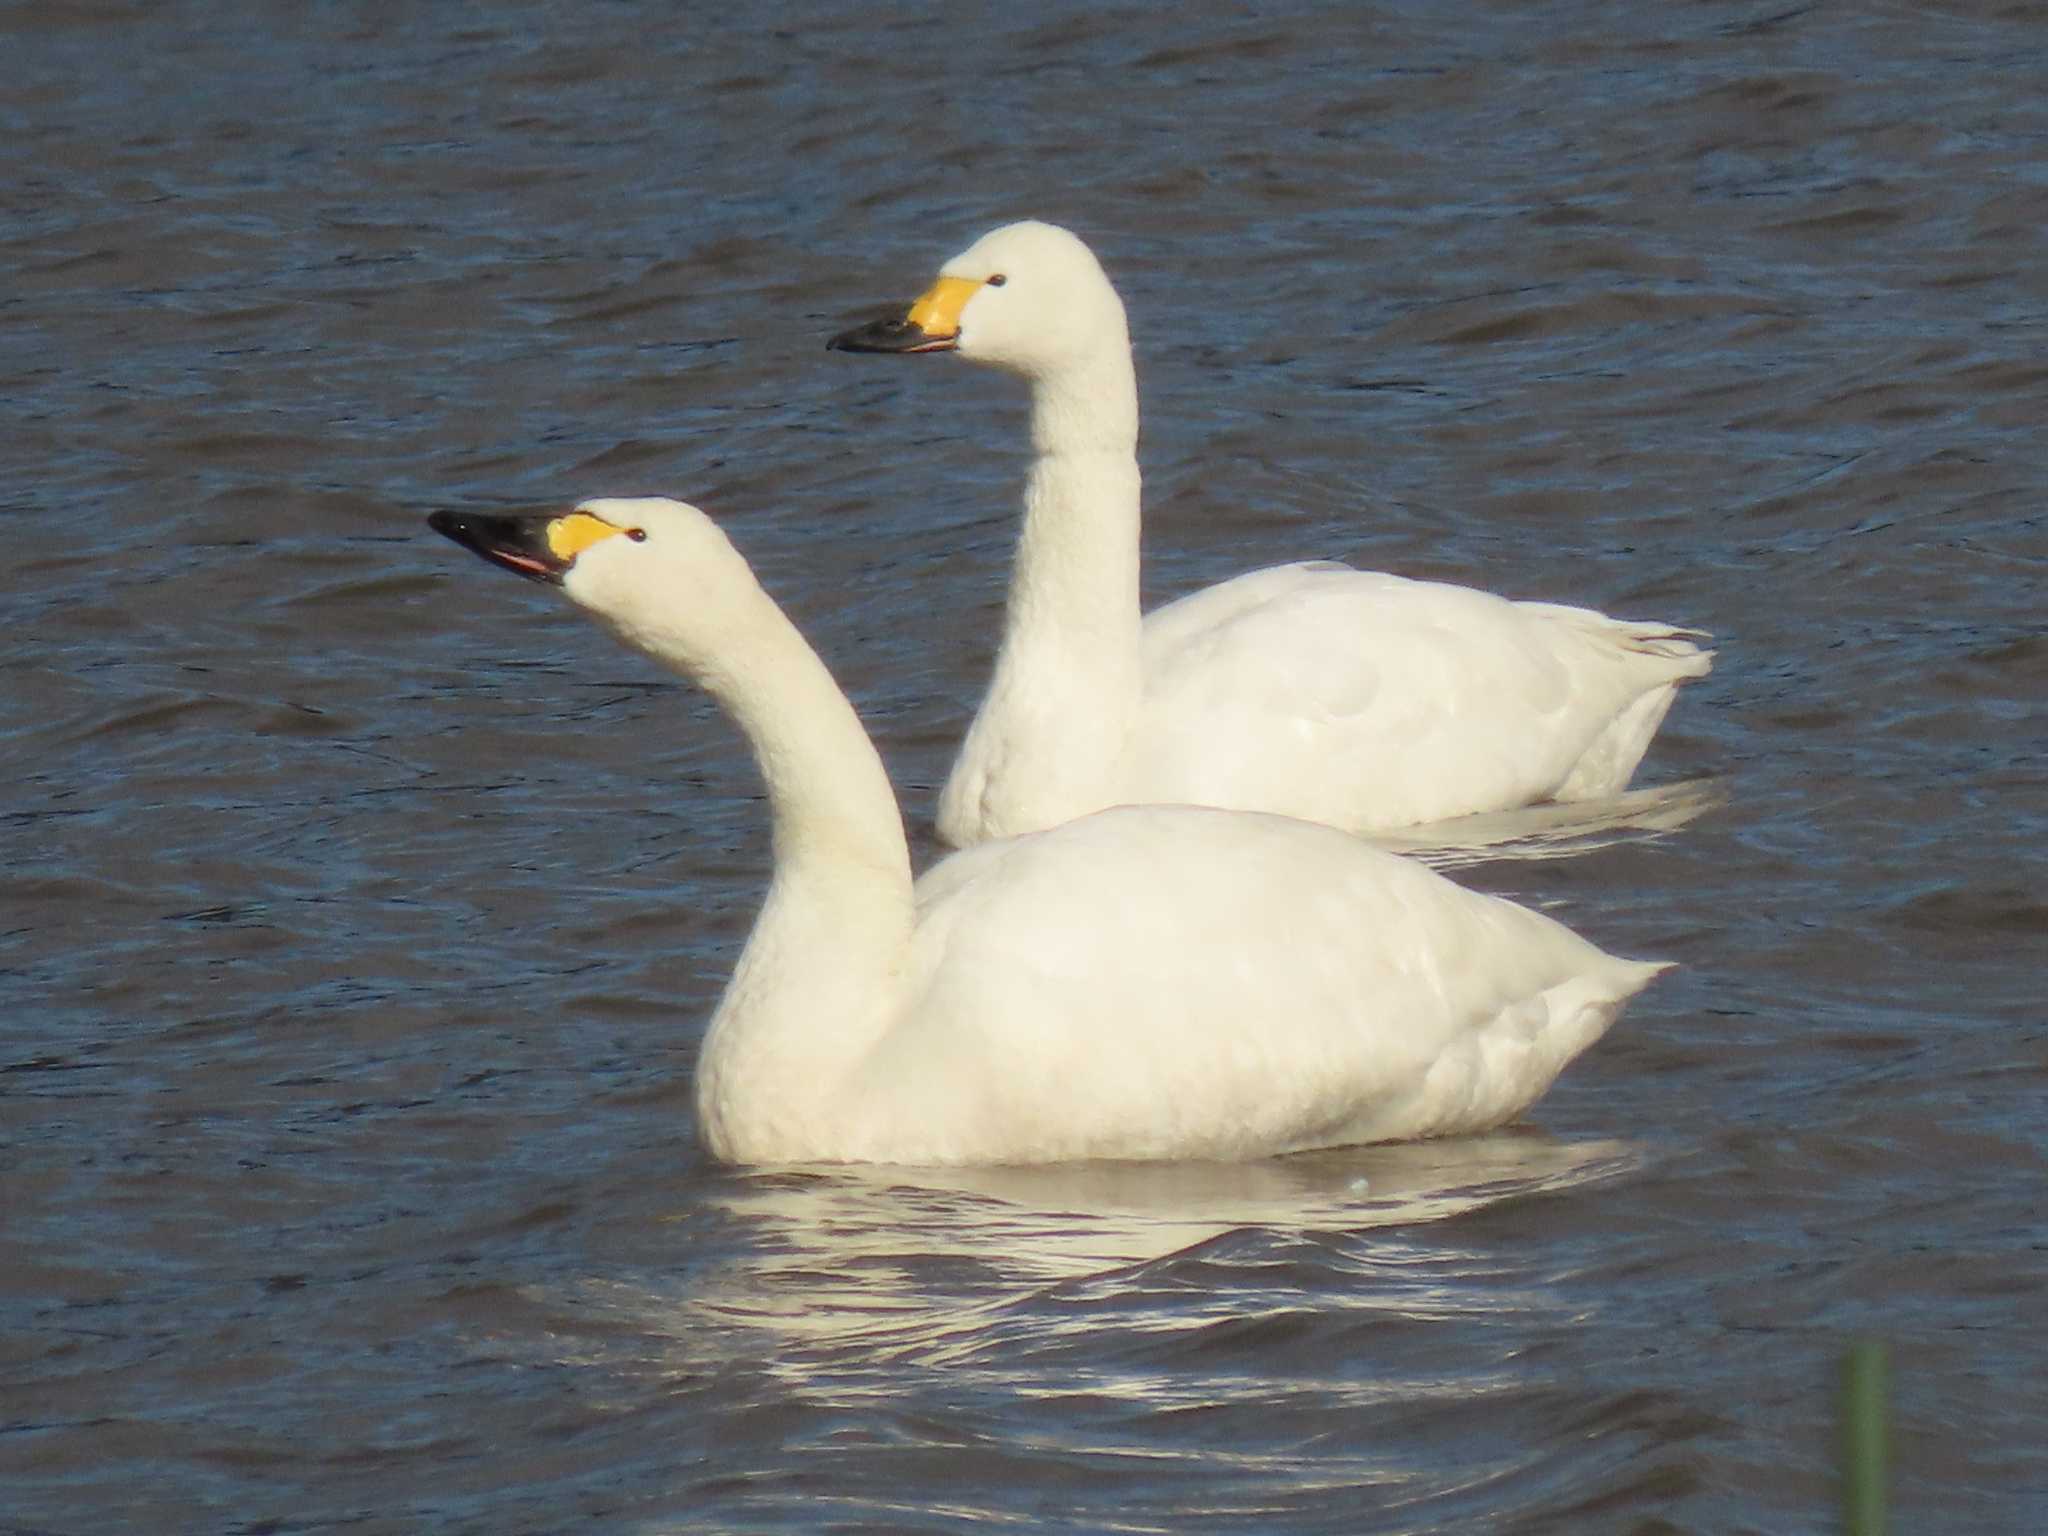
(539,548)
(932,324)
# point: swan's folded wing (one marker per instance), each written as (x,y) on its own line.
(1432,698)
(1162,981)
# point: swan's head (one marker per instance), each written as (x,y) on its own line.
(658,571)
(1028,297)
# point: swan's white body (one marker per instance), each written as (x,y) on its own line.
(1147,982)
(1350,697)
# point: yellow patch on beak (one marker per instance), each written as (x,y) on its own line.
(937,314)
(570,535)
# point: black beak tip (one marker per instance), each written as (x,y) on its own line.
(893,334)
(518,544)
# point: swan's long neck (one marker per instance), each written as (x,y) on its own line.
(833,811)
(1051,734)
(820,978)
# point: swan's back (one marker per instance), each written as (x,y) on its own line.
(1163,981)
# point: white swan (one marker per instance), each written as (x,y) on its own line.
(1351,697)
(1149,982)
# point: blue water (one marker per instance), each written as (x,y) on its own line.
(361,907)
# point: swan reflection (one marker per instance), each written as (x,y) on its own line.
(922,1264)
(1558,830)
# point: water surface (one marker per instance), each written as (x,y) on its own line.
(362,908)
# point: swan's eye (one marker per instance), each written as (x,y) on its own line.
(637,535)
(997,281)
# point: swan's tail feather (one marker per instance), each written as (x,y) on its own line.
(1667,642)
(1670,643)
(1588,1005)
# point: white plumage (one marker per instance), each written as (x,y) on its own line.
(1356,698)
(1147,982)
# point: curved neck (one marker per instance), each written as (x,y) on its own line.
(829,798)
(819,979)
(830,802)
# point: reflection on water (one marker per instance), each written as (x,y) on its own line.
(1559,830)
(906,1259)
